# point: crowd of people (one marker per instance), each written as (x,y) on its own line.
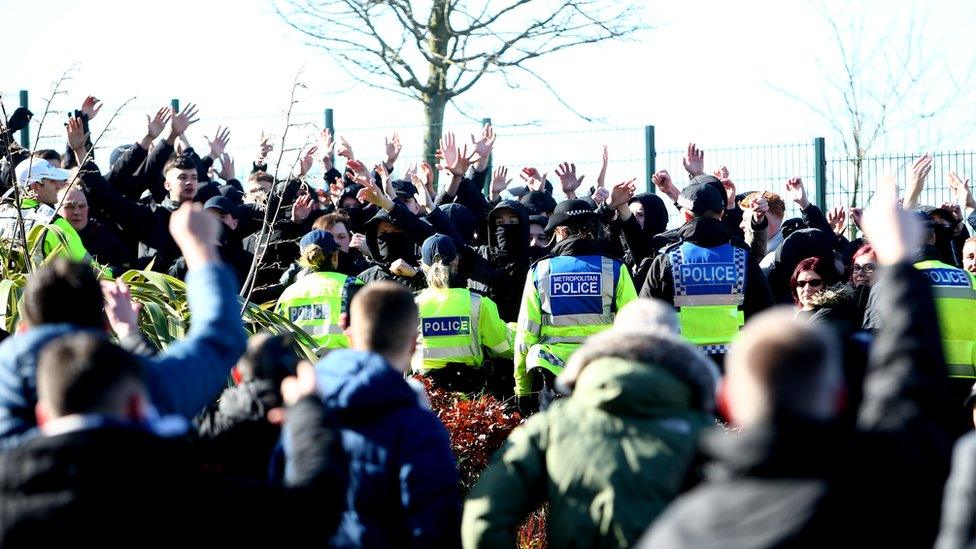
(742,379)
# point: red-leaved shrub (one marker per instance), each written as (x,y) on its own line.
(478,427)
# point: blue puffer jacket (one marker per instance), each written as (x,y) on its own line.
(182,380)
(403,482)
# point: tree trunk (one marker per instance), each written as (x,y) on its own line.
(434,106)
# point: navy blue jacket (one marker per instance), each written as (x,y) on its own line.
(182,380)
(403,486)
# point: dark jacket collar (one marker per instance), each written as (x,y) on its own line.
(705,231)
(789,447)
(577,246)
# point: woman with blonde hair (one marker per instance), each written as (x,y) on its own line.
(457,326)
(320,296)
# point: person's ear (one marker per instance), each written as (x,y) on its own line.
(41,413)
(722,401)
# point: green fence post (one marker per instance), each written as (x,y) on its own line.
(649,157)
(175,103)
(487,189)
(820,171)
(330,122)
(24,133)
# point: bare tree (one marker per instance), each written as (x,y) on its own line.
(889,81)
(443,51)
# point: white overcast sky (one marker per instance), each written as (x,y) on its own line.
(712,71)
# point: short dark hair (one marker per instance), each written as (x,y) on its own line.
(180,162)
(64,292)
(384,317)
(47,154)
(82,373)
(817,265)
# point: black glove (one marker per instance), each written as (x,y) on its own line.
(19,119)
(527,405)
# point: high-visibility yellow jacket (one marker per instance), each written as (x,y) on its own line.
(315,303)
(455,325)
(955,302)
(565,300)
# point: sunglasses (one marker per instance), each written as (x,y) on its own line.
(868,268)
(814,283)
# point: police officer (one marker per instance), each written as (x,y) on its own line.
(39,183)
(573,293)
(457,325)
(319,296)
(709,276)
(954,291)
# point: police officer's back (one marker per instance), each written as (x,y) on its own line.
(319,296)
(457,326)
(708,275)
(573,293)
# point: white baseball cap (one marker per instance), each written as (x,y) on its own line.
(36,169)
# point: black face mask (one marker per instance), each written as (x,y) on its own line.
(355,214)
(509,239)
(536,252)
(393,246)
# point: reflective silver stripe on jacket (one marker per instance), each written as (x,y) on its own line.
(562,339)
(450,352)
(322,329)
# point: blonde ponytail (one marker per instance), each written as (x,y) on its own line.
(313,257)
(438,275)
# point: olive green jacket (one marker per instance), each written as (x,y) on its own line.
(608,459)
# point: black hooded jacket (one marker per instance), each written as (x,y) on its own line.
(380,270)
(876,482)
(707,232)
(508,264)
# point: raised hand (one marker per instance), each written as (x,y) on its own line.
(156,124)
(499,182)
(483,146)
(837,218)
(90,107)
(601,179)
(380,170)
(358,169)
(759,206)
(226,167)
(622,192)
(856,215)
(302,208)
(721,173)
(357,241)
(427,173)
(729,190)
(423,195)
(372,194)
(122,312)
(345,149)
(335,190)
(568,180)
(264,147)
(448,152)
(181,121)
(916,180)
(694,160)
(533,180)
(962,190)
(662,181)
(196,234)
(77,137)
(600,195)
(219,143)
(402,268)
(797,192)
(894,233)
(393,148)
(307,161)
